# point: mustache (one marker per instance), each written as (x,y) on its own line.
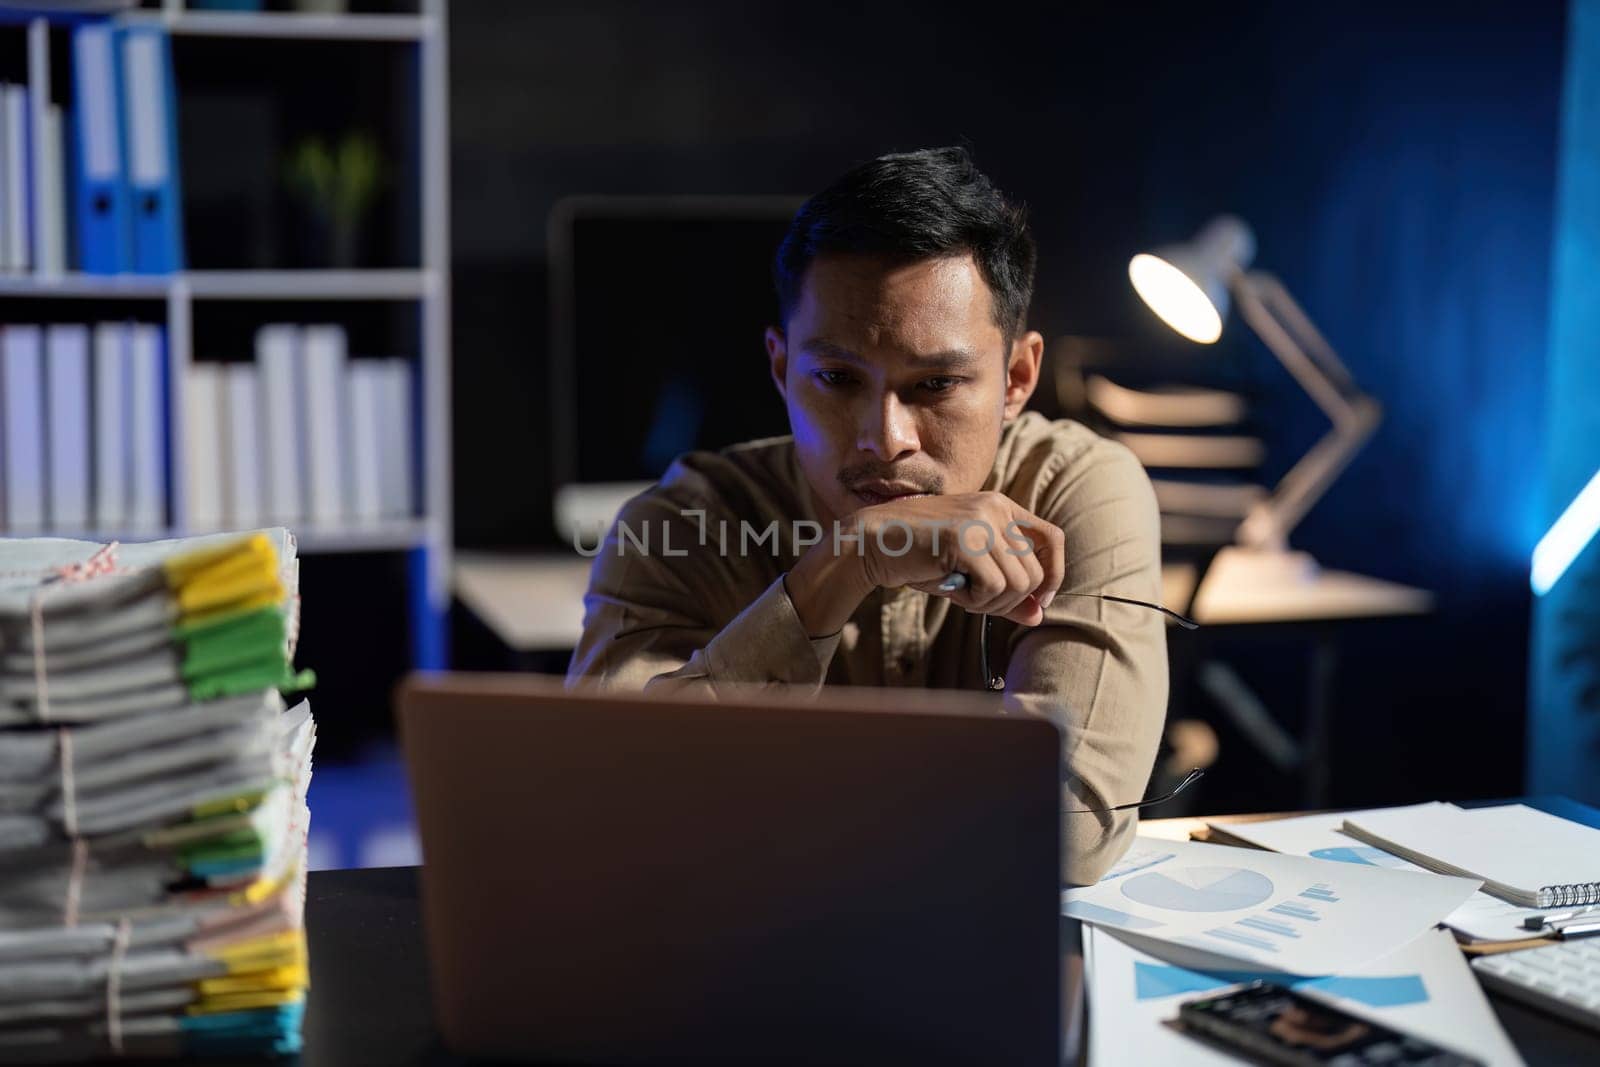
(850,477)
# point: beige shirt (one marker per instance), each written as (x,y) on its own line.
(691,594)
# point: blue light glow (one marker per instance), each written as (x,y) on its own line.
(1573,530)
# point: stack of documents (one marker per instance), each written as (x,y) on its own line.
(152,799)
(1527,857)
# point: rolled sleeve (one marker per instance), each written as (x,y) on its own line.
(1099,669)
(677,623)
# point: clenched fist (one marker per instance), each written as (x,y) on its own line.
(1013,560)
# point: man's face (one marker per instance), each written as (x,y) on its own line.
(897,379)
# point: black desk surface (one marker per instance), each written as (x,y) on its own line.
(369,1000)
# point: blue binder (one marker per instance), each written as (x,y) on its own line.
(105,236)
(149,114)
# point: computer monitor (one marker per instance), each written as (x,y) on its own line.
(658,307)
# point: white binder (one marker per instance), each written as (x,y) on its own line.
(277,363)
(14,98)
(203,446)
(243,476)
(322,382)
(397,448)
(113,441)
(148,497)
(22,383)
(366,381)
(67,389)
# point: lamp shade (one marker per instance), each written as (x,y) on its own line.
(1187,284)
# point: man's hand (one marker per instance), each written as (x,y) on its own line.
(1014,561)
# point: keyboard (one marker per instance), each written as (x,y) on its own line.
(1562,978)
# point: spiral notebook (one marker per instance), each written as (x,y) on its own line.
(1529,857)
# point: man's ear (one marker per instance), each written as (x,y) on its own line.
(778,359)
(1022,371)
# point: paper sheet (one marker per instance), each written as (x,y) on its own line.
(1424,988)
(1287,914)
(1481,918)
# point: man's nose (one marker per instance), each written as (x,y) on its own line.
(890,430)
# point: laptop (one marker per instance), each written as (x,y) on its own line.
(868,876)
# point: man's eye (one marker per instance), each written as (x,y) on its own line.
(941,384)
(834,378)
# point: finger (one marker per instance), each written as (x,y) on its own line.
(1027,613)
(1050,549)
(1019,586)
(1001,597)
(986,583)
(1028,556)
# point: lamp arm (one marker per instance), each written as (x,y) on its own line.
(1259,298)
(1284,328)
(1269,521)
(1292,316)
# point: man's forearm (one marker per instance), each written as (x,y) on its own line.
(826,588)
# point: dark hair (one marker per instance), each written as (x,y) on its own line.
(916,205)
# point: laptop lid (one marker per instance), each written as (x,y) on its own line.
(867,877)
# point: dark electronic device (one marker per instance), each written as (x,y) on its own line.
(1273,1024)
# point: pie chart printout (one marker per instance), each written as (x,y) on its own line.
(1200,889)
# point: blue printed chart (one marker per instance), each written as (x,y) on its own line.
(1284,913)
(1423,987)
(1372,857)
(1200,889)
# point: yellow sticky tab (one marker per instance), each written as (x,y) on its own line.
(209,593)
(272,950)
(246,1001)
(291,977)
(185,566)
(240,570)
(262,888)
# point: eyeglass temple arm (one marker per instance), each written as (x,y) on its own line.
(1189,779)
(955,580)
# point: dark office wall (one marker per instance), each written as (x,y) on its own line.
(1397,164)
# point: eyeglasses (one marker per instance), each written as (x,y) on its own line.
(956,581)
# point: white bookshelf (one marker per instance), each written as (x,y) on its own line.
(427,286)
(360,27)
(231,285)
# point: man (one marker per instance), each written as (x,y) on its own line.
(824,557)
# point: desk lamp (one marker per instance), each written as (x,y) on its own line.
(1188,286)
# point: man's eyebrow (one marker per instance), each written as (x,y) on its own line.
(950,359)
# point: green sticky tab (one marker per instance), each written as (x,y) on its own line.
(241,846)
(226,807)
(237,642)
(249,677)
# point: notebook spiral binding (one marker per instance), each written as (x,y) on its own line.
(1563,896)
